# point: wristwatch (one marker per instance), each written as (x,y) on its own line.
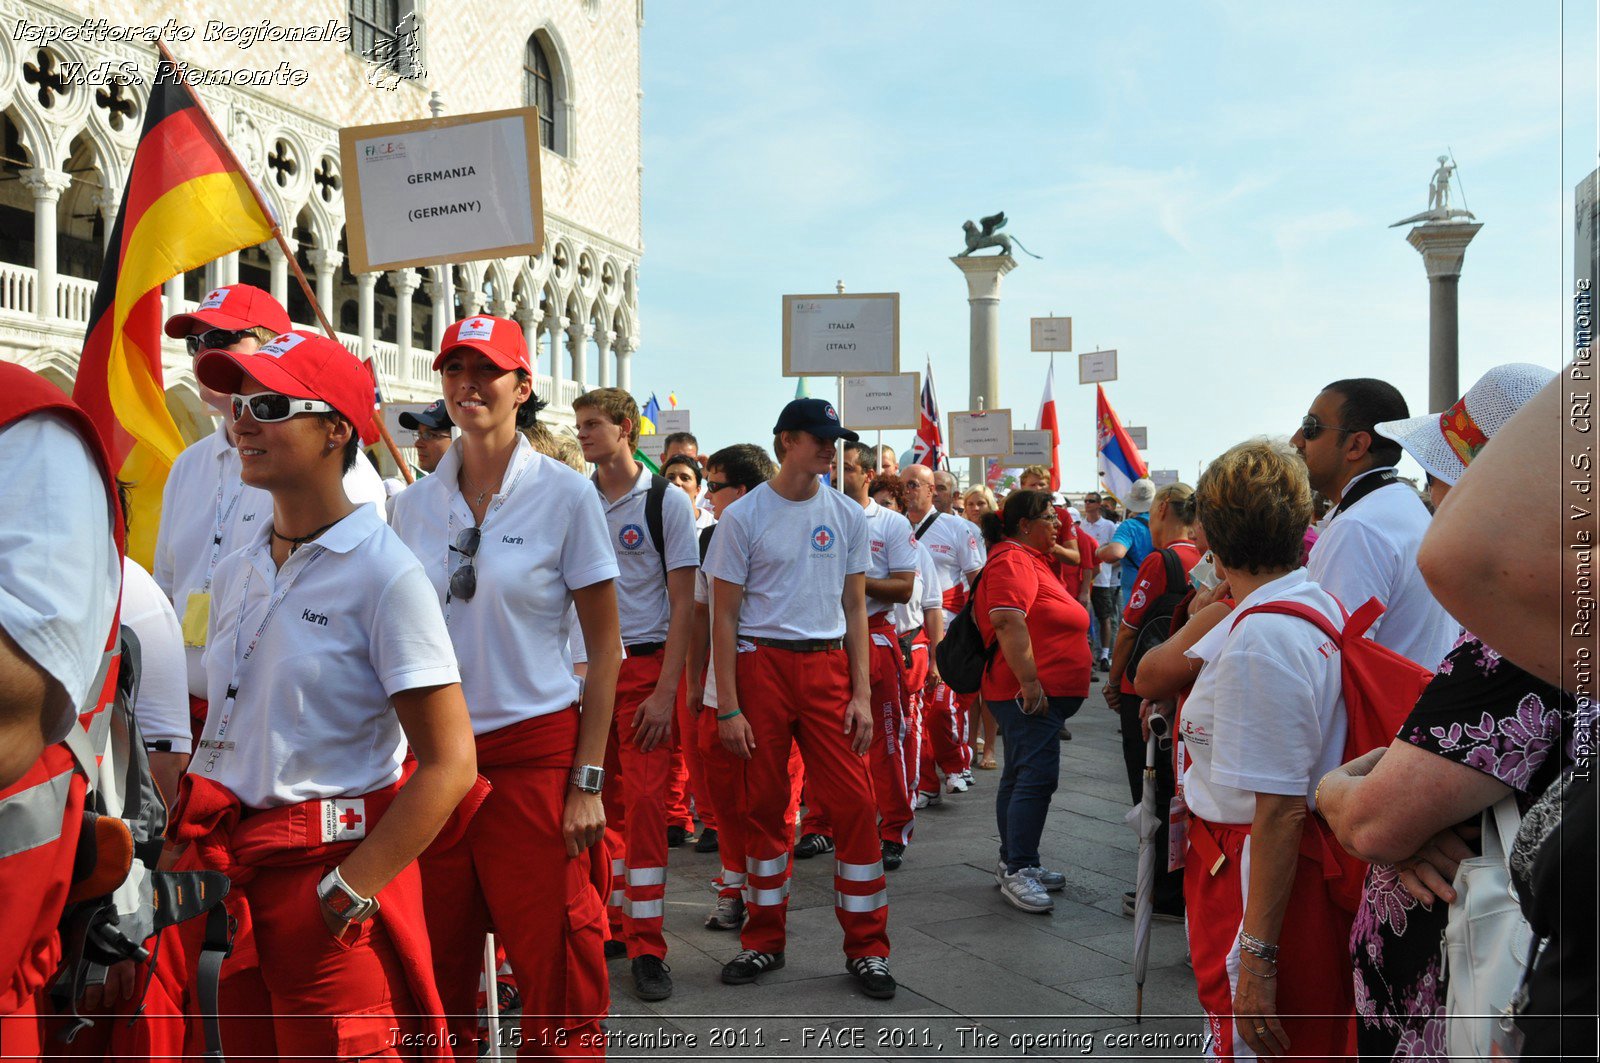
(343,901)
(588,778)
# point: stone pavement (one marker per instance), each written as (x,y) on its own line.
(1020,985)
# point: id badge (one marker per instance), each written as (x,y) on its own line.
(196,619)
(1177,834)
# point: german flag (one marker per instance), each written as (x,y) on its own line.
(187,202)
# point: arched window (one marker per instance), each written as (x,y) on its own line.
(539,90)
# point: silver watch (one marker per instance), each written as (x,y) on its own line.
(345,902)
(588,778)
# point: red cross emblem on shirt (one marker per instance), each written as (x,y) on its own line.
(349,819)
(822,539)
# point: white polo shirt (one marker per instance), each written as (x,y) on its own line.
(1266,714)
(355,624)
(894,549)
(1106,573)
(703,595)
(927,592)
(792,559)
(954,545)
(642,604)
(162,707)
(1370,551)
(205,501)
(543,536)
(59,570)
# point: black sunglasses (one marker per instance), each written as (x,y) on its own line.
(1311,428)
(464,580)
(215,340)
(717,485)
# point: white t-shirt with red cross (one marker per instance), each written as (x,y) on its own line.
(953,542)
(643,608)
(792,559)
(894,549)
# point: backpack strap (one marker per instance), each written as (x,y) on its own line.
(653,501)
(705,540)
(922,529)
(1176,577)
(1304,612)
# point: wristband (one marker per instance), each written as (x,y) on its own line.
(731,715)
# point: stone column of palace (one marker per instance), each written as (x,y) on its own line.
(46,186)
(983,273)
(1443,246)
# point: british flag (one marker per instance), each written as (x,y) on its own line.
(928,448)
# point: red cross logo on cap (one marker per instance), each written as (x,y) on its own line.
(476,322)
(350,819)
(831,415)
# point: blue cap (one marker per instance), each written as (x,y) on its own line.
(434,416)
(816,416)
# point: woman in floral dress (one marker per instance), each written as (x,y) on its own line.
(1484,728)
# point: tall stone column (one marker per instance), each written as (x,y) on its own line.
(366,283)
(529,317)
(107,202)
(278,263)
(46,186)
(1443,246)
(558,357)
(577,345)
(983,273)
(625,365)
(604,338)
(326,263)
(404,282)
(228,267)
(441,291)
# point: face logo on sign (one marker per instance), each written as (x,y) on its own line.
(822,538)
(631,536)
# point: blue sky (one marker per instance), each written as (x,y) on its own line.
(1210,185)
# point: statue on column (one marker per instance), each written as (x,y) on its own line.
(990,236)
(1439,209)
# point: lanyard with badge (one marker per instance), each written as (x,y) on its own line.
(197,607)
(452,546)
(217,746)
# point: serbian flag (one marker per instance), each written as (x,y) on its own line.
(1047,423)
(928,448)
(1120,463)
(186,203)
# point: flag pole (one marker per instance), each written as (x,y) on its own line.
(283,244)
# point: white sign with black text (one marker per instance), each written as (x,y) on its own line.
(841,335)
(882,402)
(670,421)
(1140,436)
(1052,333)
(1163,476)
(980,433)
(1030,447)
(1097,367)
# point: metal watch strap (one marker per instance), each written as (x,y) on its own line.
(589,778)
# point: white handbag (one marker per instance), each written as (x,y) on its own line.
(1486,940)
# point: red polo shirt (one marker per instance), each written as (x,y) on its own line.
(1019,577)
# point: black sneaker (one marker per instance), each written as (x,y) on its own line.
(872,975)
(1065,735)
(676,836)
(616,949)
(745,967)
(651,978)
(894,855)
(708,840)
(813,845)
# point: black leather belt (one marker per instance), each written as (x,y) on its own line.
(645,649)
(800,645)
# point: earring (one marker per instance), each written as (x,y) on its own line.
(331,444)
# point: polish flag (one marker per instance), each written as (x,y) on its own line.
(1048,423)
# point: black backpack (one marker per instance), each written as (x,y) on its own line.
(962,655)
(1157,626)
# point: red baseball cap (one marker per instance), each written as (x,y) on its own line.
(302,365)
(233,306)
(498,338)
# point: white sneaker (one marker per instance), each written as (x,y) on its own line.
(1024,893)
(956,784)
(1049,881)
(920,803)
(928,800)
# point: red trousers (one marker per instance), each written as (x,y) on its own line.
(801,697)
(725,790)
(892,758)
(511,872)
(688,784)
(637,785)
(944,737)
(1316,987)
(151,1029)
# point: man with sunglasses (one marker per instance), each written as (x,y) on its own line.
(1368,547)
(207,512)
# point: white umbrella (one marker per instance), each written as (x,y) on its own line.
(1145,818)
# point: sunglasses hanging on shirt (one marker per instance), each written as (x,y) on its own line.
(464,580)
(268,406)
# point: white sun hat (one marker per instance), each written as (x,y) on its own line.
(1445,443)
(1141,496)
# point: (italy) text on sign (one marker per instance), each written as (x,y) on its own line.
(1097,367)
(980,433)
(443,189)
(841,335)
(1052,333)
(882,402)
